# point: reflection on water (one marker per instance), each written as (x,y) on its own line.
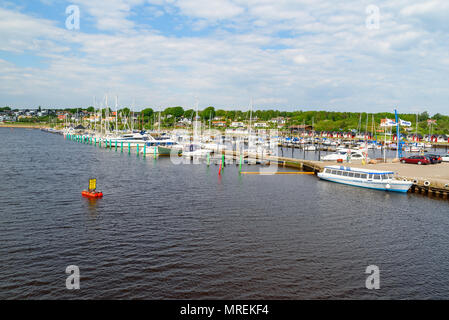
(92,206)
(182,231)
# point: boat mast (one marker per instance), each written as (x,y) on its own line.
(95,116)
(416,130)
(159,121)
(210,118)
(359,125)
(101,119)
(116,115)
(313,125)
(195,131)
(250,115)
(366,127)
(385,144)
(366,137)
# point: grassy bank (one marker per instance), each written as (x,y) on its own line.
(23,125)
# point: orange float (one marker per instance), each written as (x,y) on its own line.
(92,194)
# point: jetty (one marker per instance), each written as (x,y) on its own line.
(432,180)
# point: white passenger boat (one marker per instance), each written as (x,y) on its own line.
(372,179)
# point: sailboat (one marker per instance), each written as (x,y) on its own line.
(194,148)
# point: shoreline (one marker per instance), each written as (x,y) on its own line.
(23,125)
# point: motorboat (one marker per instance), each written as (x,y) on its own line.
(195,150)
(413,148)
(310,147)
(365,178)
(215,147)
(344,154)
(132,139)
(161,146)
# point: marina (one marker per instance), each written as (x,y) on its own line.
(432,181)
(294,228)
(223,159)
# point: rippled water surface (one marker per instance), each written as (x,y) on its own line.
(179,231)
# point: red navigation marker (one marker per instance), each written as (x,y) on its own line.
(92,193)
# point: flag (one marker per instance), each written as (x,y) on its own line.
(387,123)
(405,123)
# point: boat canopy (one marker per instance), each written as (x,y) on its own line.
(358,170)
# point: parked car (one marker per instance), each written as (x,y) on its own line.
(417,160)
(435,158)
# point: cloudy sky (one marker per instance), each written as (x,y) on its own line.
(286,54)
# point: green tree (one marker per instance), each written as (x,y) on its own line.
(125,111)
(178,112)
(423,116)
(148,112)
(221,113)
(189,113)
(208,113)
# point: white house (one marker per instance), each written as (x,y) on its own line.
(237,125)
(278,120)
(237,131)
(185,121)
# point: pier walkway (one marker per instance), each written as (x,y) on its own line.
(428,179)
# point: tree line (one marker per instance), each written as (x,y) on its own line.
(320,120)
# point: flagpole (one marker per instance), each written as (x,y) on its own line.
(385,145)
(398,135)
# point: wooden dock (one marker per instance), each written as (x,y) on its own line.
(432,180)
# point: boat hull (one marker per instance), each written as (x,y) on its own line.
(394,186)
(166,151)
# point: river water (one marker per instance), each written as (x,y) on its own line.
(166,231)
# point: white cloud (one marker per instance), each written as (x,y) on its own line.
(209,9)
(20,32)
(300,59)
(423,8)
(110,14)
(432,15)
(294,53)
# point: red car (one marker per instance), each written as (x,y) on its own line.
(416,160)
